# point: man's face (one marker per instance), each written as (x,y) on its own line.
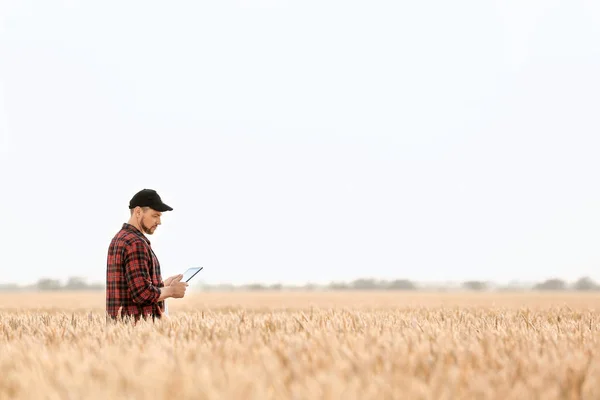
(150,220)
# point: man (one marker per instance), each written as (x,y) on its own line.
(134,285)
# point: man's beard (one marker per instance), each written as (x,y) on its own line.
(145,228)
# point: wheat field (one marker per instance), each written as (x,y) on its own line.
(278,345)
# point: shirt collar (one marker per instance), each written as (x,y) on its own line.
(131,228)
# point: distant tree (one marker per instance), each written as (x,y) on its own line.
(584,284)
(551,284)
(475,285)
(48,284)
(76,283)
(255,287)
(401,284)
(365,284)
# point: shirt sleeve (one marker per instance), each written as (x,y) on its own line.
(137,274)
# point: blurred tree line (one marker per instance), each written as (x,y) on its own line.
(553,284)
(48,284)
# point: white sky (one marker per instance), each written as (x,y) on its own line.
(304,141)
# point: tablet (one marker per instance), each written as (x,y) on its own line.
(190,273)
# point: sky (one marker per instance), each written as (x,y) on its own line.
(299,142)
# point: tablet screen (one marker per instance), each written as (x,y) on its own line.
(187,275)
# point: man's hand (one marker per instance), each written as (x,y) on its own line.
(178,288)
(173,287)
(171,279)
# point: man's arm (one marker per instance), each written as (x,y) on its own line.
(165,292)
(137,275)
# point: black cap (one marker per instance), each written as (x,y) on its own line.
(148,198)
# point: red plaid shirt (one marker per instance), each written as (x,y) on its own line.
(133,276)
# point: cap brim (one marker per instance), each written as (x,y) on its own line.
(163,207)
